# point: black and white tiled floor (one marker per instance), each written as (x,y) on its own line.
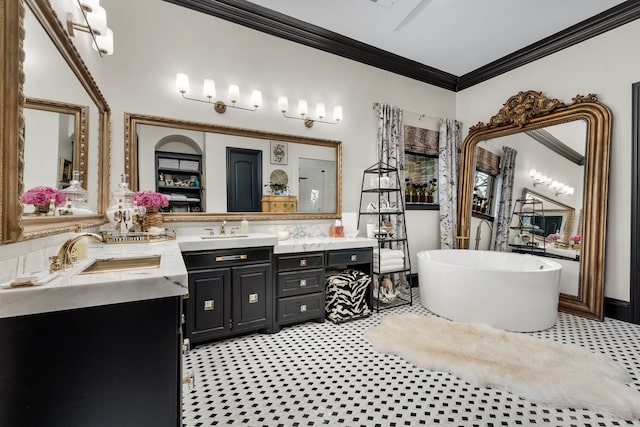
(327,375)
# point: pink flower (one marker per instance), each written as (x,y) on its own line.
(554,236)
(42,196)
(150,199)
(575,238)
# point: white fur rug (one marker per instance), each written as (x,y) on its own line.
(545,372)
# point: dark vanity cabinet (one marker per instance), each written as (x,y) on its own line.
(112,365)
(300,288)
(230,292)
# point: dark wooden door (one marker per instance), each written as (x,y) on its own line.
(244,180)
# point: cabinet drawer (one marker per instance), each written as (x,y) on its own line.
(350,256)
(199,260)
(298,261)
(300,282)
(300,308)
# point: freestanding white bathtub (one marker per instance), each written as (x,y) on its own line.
(509,291)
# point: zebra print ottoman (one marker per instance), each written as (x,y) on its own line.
(346,295)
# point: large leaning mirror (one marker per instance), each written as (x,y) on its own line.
(210,172)
(553,160)
(42,66)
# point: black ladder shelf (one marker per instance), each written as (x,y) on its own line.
(382,208)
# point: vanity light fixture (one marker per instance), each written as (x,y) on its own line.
(303,111)
(558,187)
(95,23)
(209,92)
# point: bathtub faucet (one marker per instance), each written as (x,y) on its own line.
(479,229)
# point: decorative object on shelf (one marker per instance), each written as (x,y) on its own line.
(42,198)
(95,24)
(303,110)
(152,202)
(430,188)
(209,92)
(278,181)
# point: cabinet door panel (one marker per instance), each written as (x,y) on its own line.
(252,297)
(210,291)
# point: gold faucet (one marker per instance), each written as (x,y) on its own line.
(65,259)
(479,229)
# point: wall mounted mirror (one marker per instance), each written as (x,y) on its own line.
(528,122)
(54,73)
(55,131)
(203,167)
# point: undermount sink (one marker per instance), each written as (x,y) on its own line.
(122,264)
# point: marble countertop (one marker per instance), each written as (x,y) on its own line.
(198,243)
(69,290)
(308,244)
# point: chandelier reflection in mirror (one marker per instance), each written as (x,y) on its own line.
(303,112)
(93,20)
(209,94)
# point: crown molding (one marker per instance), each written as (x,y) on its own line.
(608,20)
(259,18)
(256,17)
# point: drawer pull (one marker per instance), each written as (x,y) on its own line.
(303,308)
(253,298)
(303,282)
(354,257)
(208,305)
(231,258)
(303,263)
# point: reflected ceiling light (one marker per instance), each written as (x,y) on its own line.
(303,111)
(95,23)
(209,92)
(557,186)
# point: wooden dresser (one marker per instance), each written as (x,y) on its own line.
(271,203)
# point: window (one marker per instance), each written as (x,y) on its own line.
(483,193)
(421,178)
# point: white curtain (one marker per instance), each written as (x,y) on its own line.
(449,145)
(503,217)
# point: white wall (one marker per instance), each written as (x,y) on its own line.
(606,65)
(171,39)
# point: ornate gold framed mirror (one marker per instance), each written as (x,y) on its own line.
(313,167)
(531,111)
(21,26)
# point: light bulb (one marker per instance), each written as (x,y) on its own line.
(320,111)
(182,83)
(209,88)
(234,93)
(303,108)
(256,98)
(337,113)
(283,104)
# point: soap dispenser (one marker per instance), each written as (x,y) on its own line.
(244,227)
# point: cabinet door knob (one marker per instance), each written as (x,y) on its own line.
(303,308)
(354,257)
(303,282)
(253,298)
(303,263)
(208,305)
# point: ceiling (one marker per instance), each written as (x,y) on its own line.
(449,43)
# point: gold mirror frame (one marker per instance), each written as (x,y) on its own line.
(131,121)
(531,110)
(13,226)
(79,113)
(568,223)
